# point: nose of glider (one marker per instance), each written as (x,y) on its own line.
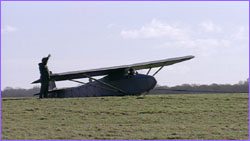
(152,82)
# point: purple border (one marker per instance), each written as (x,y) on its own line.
(104,0)
(125,0)
(1,68)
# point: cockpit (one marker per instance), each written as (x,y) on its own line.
(131,73)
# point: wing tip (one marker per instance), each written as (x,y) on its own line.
(37,81)
(190,57)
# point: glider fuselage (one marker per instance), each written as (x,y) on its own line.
(110,85)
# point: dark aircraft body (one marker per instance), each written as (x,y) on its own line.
(117,81)
(130,85)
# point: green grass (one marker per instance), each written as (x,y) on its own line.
(214,116)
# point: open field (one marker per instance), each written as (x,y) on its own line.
(216,116)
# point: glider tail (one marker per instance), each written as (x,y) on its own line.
(52,85)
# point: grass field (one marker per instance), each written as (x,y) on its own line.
(214,116)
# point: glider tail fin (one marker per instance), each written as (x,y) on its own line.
(52,85)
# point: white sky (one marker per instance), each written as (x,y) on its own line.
(87,35)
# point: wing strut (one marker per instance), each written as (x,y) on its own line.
(92,85)
(148,71)
(106,84)
(158,70)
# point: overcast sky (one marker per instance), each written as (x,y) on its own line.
(87,35)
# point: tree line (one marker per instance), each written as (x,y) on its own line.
(19,92)
(241,87)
